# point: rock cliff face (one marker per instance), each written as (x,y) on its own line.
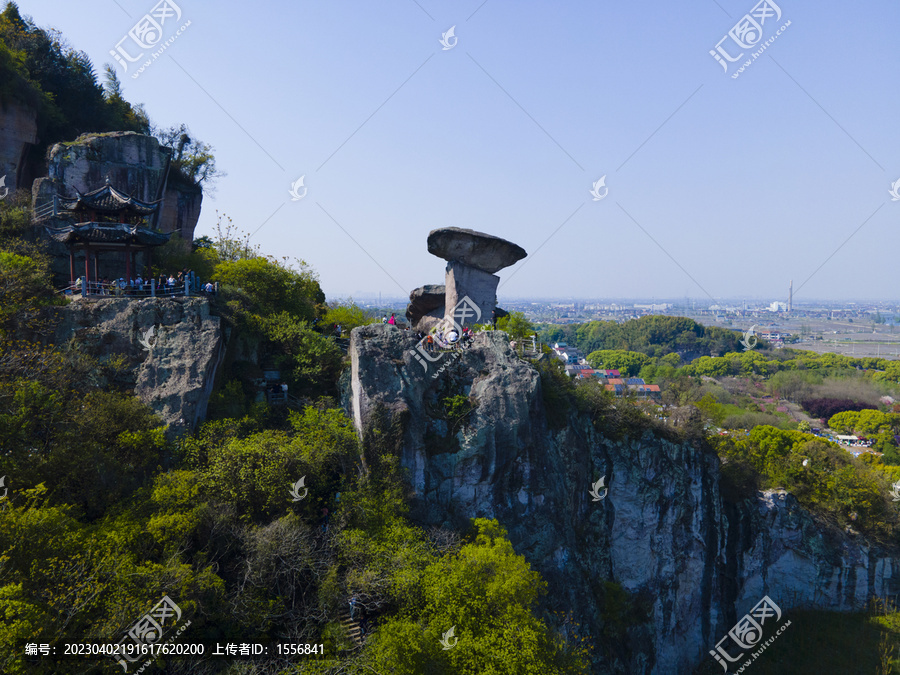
(18,132)
(135,164)
(174,377)
(693,563)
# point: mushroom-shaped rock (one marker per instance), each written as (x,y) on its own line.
(475,249)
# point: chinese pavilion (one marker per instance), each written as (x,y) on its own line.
(106,221)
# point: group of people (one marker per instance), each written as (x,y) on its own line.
(164,284)
(452,339)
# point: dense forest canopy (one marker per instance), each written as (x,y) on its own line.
(39,68)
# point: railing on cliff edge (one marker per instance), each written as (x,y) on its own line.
(46,211)
(122,289)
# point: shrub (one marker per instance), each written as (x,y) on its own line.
(828,407)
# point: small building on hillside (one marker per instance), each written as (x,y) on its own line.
(568,355)
(110,223)
(139,169)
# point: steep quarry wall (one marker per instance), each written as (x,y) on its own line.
(174,376)
(662,531)
(18,132)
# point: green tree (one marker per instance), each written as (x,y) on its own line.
(191,158)
(627,363)
(486,593)
(24,288)
(844,422)
(712,409)
(313,360)
(268,287)
(348,314)
(516,326)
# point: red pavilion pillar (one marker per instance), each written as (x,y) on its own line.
(87,267)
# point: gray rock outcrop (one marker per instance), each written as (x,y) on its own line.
(479,287)
(427,300)
(175,377)
(473,258)
(663,532)
(18,132)
(135,164)
(475,249)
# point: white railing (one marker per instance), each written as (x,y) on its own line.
(45,211)
(114,289)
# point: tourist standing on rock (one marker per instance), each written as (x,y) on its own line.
(494,318)
(384,319)
(392,321)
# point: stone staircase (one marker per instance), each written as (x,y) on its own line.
(351,627)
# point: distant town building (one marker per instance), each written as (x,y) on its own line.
(568,355)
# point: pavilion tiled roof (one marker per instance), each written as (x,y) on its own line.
(107,233)
(108,200)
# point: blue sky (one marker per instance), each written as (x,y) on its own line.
(718,187)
